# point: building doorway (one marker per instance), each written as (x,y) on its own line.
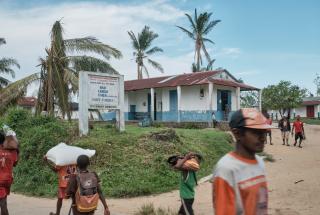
(223,104)
(310,111)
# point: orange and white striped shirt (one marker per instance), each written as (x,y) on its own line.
(240,186)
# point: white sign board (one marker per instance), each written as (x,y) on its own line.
(103,92)
(100,91)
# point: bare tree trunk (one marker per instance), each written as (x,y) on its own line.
(289,113)
(280,111)
(198,58)
(138,71)
(198,47)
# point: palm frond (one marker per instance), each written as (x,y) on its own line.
(209,66)
(57,43)
(91,44)
(154,50)
(135,42)
(201,22)
(210,26)
(187,32)
(62,91)
(5,66)
(146,37)
(88,63)
(145,70)
(193,25)
(15,90)
(3,82)
(71,78)
(195,14)
(156,65)
(207,40)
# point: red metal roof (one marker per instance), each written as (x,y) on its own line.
(311,102)
(183,80)
(27,101)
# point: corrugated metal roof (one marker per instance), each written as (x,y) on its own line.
(27,101)
(310,103)
(184,80)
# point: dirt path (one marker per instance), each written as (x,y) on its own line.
(286,197)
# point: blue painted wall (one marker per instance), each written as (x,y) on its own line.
(159,116)
(112,116)
(170,116)
(195,116)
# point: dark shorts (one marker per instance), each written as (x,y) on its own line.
(3,202)
(4,192)
(298,136)
(186,207)
(269,133)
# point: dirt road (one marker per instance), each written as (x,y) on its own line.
(286,197)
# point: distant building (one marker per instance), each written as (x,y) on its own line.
(28,103)
(191,97)
(310,108)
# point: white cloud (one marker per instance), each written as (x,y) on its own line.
(27,30)
(229,52)
(248,73)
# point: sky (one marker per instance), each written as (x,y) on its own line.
(261,42)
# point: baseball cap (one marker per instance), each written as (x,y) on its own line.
(249,118)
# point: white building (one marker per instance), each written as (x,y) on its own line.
(310,108)
(28,103)
(183,98)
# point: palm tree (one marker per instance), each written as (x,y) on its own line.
(5,67)
(141,45)
(60,71)
(200,26)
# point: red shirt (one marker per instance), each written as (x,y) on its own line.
(298,125)
(8,159)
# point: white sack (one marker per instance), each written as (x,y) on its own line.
(63,154)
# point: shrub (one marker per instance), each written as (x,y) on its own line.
(32,176)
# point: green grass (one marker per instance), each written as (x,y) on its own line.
(129,164)
(132,163)
(311,121)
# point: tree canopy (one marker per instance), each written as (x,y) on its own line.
(282,97)
(249,99)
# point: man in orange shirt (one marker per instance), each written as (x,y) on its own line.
(8,159)
(64,174)
(239,180)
